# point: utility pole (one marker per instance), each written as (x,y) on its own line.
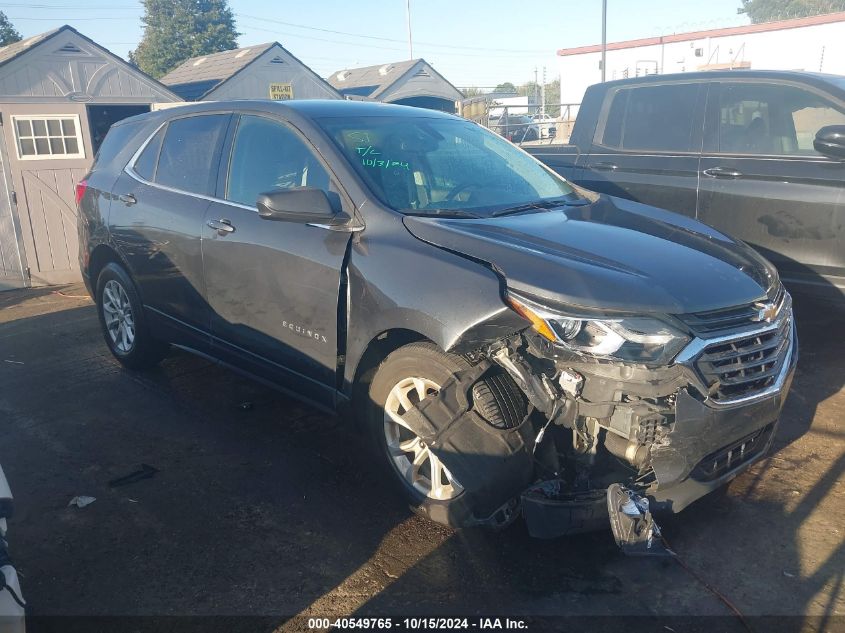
(534,91)
(603,37)
(410,38)
(543,94)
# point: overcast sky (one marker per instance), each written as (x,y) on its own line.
(473,43)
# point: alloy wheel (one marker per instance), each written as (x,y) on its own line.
(118,316)
(409,455)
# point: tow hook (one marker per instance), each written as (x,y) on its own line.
(635,531)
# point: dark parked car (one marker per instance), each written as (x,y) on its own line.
(508,341)
(759,155)
(517,128)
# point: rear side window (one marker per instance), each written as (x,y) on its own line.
(145,166)
(190,151)
(652,118)
(116,139)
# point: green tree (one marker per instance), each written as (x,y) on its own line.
(176,30)
(8,33)
(505,87)
(471,91)
(770,10)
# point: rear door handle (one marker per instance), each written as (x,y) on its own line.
(128,199)
(722,172)
(222,226)
(604,166)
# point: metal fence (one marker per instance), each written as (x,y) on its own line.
(523,123)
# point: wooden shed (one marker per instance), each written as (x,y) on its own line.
(413,82)
(59,94)
(263,71)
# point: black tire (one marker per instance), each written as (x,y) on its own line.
(144,351)
(498,400)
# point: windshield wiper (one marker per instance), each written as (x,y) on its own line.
(541,204)
(442,213)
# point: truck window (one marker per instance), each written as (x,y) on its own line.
(652,118)
(769,119)
(188,156)
(267,156)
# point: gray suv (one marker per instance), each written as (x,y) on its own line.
(511,344)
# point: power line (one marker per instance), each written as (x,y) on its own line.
(388,39)
(274,21)
(376,46)
(73,19)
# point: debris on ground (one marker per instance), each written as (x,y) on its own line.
(81,501)
(144,472)
(634,528)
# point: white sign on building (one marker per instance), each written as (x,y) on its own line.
(814,43)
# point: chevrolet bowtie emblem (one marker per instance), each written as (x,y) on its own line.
(765,312)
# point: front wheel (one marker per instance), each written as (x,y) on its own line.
(406,377)
(122,320)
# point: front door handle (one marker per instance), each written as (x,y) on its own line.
(722,172)
(222,226)
(604,166)
(128,199)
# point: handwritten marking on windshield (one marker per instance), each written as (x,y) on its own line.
(369,150)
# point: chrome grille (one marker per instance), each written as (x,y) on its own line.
(704,323)
(744,365)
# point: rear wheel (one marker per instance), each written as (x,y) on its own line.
(122,320)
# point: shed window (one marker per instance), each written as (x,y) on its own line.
(47,137)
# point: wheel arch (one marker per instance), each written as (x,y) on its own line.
(377,349)
(102,255)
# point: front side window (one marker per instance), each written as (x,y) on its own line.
(432,165)
(769,119)
(48,137)
(268,156)
(189,153)
(652,118)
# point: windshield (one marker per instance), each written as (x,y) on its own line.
(439,166)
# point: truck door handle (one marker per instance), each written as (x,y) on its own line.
(722,172)
(128,199)
(604,166)
(222,226)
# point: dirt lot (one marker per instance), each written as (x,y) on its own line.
(262,506)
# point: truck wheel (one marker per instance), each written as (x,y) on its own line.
(407,376)
(122,320)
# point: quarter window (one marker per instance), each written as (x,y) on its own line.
(768,119)
(48,137)
(189,153)
(652,118)
(268,156)
(145,166)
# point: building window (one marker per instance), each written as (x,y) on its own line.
(48,137)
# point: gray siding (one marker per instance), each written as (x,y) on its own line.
(68,66)
(253,82)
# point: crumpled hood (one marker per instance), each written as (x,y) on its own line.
(611,254)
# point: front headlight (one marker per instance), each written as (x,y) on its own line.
(628,338)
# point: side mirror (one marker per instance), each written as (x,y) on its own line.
(302,204)
(830,141)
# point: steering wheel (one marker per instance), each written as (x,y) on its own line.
(460,188)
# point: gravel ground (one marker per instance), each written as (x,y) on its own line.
(261,506)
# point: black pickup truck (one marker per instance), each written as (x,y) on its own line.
(759,155)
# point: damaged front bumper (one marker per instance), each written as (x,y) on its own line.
(670,434)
